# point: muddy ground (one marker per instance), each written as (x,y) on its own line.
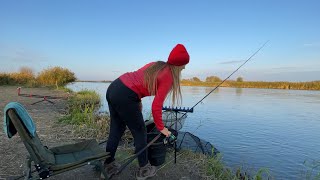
(52,133)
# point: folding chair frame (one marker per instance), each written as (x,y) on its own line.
(44,169)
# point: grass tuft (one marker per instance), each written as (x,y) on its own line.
(81,112)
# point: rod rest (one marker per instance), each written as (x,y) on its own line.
(178,109)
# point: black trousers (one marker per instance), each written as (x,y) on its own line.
(125,111)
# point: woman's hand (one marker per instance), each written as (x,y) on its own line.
(165,132)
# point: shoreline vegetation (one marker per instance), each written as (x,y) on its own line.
(312,85)
(50,77)
(58,76)
(308,85)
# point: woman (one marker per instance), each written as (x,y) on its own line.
(124,100)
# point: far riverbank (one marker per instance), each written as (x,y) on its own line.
(311,85)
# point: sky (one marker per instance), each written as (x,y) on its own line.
(100,40)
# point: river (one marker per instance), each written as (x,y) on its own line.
(254,128)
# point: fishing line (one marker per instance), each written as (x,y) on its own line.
(230,74)
(200,101)
(180,119)
(226,78)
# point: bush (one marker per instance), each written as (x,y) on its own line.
(5,79)
(55,76)
(239,79)
(24,77)
(213,79)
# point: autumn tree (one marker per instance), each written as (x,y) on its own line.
(213,79)
(56,76)
(195,79)
(239,79)
(24,76)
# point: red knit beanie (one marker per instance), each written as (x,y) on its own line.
(178,56)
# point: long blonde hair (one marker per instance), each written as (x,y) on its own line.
(150,80)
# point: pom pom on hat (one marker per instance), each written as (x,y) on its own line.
(178,56)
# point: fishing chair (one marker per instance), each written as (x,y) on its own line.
(50,161)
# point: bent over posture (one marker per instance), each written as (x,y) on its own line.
(124,100)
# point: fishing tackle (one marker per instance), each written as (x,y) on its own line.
(170,140)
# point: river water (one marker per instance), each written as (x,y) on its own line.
(253,128)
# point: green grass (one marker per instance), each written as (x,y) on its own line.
(81,112)
(216,169)
(197,164)
(65,89)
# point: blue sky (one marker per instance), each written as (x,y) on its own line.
(100,40)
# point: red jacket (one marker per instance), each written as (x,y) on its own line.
(134,81)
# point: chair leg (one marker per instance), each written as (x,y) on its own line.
(101,168)
(29,173)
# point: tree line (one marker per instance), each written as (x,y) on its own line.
(211,81)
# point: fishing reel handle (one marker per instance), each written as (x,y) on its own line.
(170,140)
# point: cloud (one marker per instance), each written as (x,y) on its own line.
(286,68)
(231,62)
(316,44)
(302,68)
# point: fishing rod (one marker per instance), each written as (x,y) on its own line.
(191,109)
(177,110)
(130,159)
(229,76)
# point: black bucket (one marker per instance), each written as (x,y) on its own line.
(157,150)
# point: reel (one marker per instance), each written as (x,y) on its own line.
(170,140)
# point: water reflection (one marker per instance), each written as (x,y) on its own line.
(208,89)
(193,89)
(238,91)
